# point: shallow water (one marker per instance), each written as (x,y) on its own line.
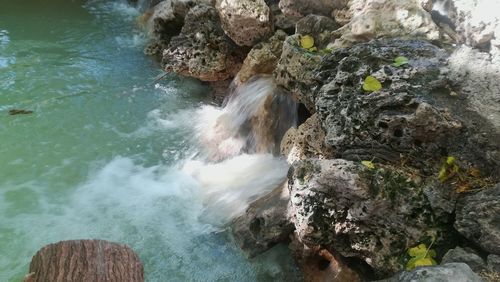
(108,151)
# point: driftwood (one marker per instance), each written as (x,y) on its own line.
(85,260)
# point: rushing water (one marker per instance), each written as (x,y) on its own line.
(110,153)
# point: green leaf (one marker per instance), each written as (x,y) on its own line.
(450,160)
(421,256)
(306,41)
(425,262)
(368,164)
(399,61)
(418,251)
(371,84)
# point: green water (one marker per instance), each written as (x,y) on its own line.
(100,155)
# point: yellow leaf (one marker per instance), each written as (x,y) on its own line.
(306,41)
(450,160)
(418,251)
(368,164)
(425,262)
(371,84)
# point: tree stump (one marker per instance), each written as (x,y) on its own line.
(86,261)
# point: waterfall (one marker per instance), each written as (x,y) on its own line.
(239,144)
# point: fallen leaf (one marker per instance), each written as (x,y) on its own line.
(368,164)
(371,84)
(399,61)
(306,41)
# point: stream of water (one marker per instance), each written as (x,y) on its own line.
(110,153)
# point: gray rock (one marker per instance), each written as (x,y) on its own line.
(456,272)
(264,223)
(401,117)
(202,50)
(478,219)
(319,27)
(475,262)
(246,22)
(374,215)
(493,262)
(300,8)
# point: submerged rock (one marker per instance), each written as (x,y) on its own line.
(245,22)
(202,50)
(478,219)
(457,272)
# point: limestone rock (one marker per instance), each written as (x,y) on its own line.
(264,223)
(457,272)
(319,27)
(301,8)
(246,22)
(263,57)
(493,262)
(307,141)
(370,19)
(478,219)
(202,50)
(475,262)
(400,117)
(374,215)
(165,20)
(295,71)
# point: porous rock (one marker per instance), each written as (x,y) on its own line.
(457,272)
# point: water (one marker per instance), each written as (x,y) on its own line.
(110,153)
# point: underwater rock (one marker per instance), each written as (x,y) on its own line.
(245,22)
(475,262)
(372,214)
(85,260)
(458,272)
(478,219)
(263,57)
(202,50)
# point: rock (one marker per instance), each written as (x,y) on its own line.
(475,262)
(493,262)
(264,223)
(295,71)
(319,27)
(402,117)
(307,141)
(457,272)
(246,22)
(202,50)
(281,21)
(301,8)
(165,20)
(85,260)
(370,19)
(263,57)
(374,215)
(478,219)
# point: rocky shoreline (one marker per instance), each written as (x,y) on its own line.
(375,170)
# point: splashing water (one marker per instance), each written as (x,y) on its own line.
(110,154)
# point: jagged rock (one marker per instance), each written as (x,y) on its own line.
(295,71)
(202,50)
(372,214)
(264,223)
(370,19)
(307,141)
(456,272)
(301,8)
(281,21)
(165,20)
(478,218)
(401,117)
(319,27)
(493,262)
(245,22)
(263,57)
(475,262)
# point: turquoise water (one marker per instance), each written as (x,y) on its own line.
(101,156)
